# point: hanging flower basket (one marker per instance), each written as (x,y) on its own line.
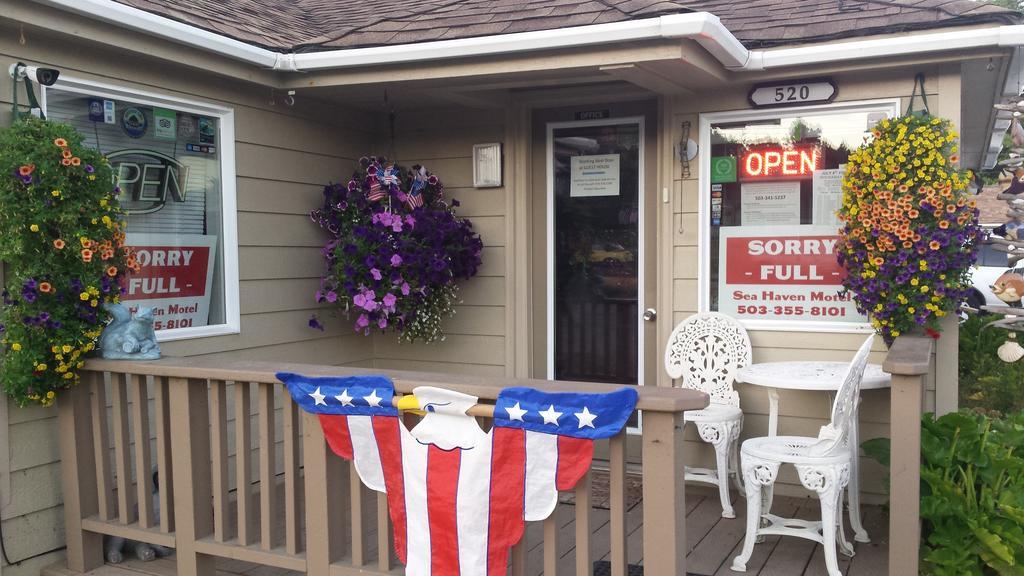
(910,231)
(62,239)
(397,251)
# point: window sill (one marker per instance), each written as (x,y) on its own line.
(196,332)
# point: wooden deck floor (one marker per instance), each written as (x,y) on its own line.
(713,543)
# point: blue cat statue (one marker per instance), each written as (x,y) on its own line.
(129,337)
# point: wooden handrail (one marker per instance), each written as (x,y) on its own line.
(208,511)
(651,398)
(909,361)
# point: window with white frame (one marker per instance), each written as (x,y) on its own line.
(173,160)
(771,188)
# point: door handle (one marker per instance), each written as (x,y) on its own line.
(650,314)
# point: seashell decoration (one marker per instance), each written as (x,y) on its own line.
(1011,350)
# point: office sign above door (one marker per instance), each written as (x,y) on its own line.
(794,93)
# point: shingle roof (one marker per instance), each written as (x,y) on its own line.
(310,25)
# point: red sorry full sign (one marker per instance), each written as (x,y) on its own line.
(175,278)
(783,260)
(782,273)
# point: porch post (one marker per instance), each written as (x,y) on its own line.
(78,473)
(664,493)
(908,362)
(192,473)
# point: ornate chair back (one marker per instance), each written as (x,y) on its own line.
(705,351)
(844,409)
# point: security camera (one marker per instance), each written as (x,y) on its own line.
(44,76)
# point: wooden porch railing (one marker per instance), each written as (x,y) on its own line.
(221,496)
(909,360)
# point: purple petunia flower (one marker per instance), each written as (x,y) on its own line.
(375,273)
(332,296)
(362,322)
(396,260)
(389,300)
(315,323)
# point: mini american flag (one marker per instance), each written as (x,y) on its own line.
(459,497)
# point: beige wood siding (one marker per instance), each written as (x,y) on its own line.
(442,141)
(801,413)
(284,157)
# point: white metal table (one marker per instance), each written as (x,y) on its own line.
(826,377)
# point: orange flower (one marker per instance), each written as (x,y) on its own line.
(112,271)
(951,208)
(904,188)
(58,244)
(86,255)
(26,169)
(913,213)
(76,161)
(45,287)
(943,224)
(908,244)
(60,142)
(66,162)
(934,245)
(954,158)
(66,153)
(107,254)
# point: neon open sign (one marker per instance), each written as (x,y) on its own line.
(795,162)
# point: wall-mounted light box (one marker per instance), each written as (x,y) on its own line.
(487,165)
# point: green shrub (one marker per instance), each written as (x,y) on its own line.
(986,382)
(972,494)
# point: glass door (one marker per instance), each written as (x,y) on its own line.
(595,227)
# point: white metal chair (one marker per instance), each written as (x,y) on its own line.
(704,352)
(823,465)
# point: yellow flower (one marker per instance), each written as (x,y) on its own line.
(50,394)
(16,347)
(94,302)
(924,289)
(913,282)
(34,227)
(83,296)
(69,375)
(41,367)
(895,333)
(66,349)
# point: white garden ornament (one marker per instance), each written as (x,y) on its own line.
(704,352)
(1011,350)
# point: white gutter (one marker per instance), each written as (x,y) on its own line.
(704,28)
(172,30)
(953,40)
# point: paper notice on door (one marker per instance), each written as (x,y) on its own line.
(596,175)
(770,203)
(828,195)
